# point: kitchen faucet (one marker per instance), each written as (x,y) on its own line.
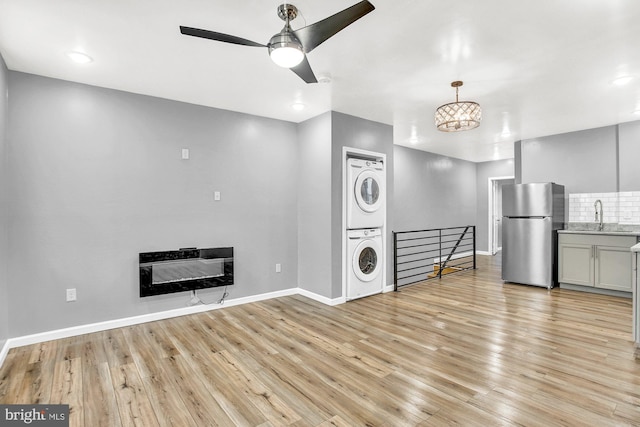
(595,205)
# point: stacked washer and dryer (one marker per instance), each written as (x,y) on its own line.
(365,219)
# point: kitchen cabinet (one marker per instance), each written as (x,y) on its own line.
(635,250)
(596,260)
(575,263)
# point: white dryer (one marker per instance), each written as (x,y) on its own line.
(365,259)
(365,193)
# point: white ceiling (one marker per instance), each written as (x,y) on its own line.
(537,67)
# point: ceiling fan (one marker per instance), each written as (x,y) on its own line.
(288,48)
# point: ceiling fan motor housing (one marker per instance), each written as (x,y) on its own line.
(284,38)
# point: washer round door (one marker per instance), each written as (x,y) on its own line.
(367,260)
(368,191)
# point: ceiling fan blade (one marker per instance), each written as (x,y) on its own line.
(303,70)
(313,35)
(212,35)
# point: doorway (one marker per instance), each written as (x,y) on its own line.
(495,211)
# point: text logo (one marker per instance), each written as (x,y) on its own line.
(34,415)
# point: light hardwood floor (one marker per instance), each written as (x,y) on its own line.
(466,350)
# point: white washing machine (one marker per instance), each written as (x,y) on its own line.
(365,259)
(365,193)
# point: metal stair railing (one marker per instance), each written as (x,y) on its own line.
(421,255)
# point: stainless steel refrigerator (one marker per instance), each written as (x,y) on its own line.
(531,216)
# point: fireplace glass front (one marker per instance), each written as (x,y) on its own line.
(185,270)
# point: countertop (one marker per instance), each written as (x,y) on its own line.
(604,232)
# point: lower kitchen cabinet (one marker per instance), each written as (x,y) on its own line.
(595,260)
(613,268)
(636,298)
(575,261)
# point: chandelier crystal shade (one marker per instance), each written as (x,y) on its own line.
(458,116)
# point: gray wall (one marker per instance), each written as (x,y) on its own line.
(97,178)
(320,192)
(629,149)
(432,191)
(4,189)
(588,161)
(314,205)
(354,132)
(583,161)
(484,171)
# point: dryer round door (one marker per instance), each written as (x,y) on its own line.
(367,260)
(368,191)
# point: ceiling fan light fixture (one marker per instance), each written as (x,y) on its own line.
(289,48)
(458,116)
(285,50)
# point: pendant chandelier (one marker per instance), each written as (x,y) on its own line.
(458,116)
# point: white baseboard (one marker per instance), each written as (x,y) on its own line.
(484,253)
(320,298)
(151,317)
(129,321)
(388,288)
(4,351)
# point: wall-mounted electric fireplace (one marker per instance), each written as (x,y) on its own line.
(185,270)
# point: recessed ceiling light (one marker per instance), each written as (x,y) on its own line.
(298,106)
(79,57)
(621,81)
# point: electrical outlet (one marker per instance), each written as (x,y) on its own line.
(278,268)
(71,294)
(216,195)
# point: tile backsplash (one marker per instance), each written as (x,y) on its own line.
(621,208)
